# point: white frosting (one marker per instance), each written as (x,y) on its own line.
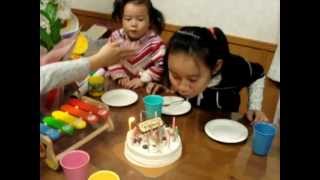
(156,156)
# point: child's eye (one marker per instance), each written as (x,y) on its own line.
(193,80)
(140,19)
(127,18)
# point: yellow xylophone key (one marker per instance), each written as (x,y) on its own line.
(67,118)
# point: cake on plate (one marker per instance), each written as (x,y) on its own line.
(151,144)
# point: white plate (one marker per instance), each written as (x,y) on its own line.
(226,130)
(119,97)
(175,109)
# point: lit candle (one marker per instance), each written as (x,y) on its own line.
(173,122)
(130,121)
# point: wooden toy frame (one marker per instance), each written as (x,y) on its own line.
(50,157)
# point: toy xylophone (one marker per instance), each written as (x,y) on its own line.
(74,114)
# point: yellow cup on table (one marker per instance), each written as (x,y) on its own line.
(104,175)
(96,85)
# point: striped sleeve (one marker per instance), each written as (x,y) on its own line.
(155,69)
(117,71)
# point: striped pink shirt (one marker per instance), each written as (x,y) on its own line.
(148,60)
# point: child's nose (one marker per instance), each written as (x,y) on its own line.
(133,22)
(184,86)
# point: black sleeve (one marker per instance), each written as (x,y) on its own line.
(256,72)
(241,72)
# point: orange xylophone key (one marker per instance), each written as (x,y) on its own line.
(89,117)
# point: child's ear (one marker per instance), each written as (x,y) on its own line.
(217,67)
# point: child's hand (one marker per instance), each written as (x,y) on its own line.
(255,115)
(123,82)
(153,88)
(134,83)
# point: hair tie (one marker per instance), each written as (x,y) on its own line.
(189,34)
(213,33)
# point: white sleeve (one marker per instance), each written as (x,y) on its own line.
(62,73)
(256,94)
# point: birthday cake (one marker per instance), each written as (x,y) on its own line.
(151,144)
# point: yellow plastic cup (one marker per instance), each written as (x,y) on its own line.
(96,85)
(104,175)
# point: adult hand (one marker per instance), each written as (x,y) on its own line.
(110,54)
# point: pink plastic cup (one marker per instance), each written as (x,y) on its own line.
(75,165)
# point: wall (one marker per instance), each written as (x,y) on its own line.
(253,19)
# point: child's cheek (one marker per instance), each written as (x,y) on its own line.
(192,88)
(174,83)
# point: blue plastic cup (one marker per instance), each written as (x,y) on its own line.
(263,134)
(153,106)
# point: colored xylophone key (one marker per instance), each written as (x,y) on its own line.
(67,118)
(50,132)
(55,123)
(102,112)
(76,111)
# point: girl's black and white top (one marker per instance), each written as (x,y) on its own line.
(223,91)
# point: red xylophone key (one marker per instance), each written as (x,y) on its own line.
(89,107)
(87,116)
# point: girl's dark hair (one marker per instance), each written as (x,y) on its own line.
(206,44)
(156,18)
